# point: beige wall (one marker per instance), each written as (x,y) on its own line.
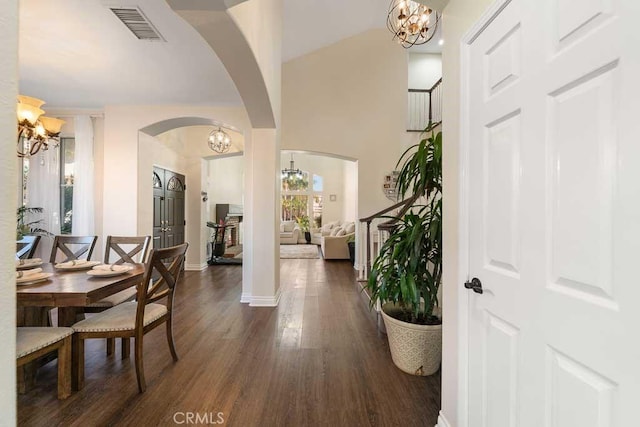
(459,16)
(225,182)
(9,179)
(424,70)
(349,99)
(350,191)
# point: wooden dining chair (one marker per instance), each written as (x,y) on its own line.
(35,342)
(135,318)
(26,247)
(130,249)
(67,246)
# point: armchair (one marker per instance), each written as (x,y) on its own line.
(289,233)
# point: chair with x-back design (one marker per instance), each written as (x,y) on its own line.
(135,318)
(128,249)
(26,247)
(121,246)
(67,246)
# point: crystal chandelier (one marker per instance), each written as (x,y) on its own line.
(219,141)
(411,23)
(38,131)
(291,171)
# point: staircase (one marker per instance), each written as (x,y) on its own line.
(375,230)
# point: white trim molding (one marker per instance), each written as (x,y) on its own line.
(442,421)
(266,301)
(196,267)
(245,298)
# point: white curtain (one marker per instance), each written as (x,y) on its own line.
(83,209)
(43,191)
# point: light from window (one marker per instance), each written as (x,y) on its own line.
(317,183)
(294,183)
(67,163)
(294,206)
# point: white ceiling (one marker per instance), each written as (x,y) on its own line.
(76,54)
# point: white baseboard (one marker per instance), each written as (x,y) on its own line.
(196,267)
(266,301)
(245,298)
(442,421)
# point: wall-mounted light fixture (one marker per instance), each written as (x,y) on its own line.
(38,131)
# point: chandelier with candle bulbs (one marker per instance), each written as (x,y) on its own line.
(38,131)
(219,141)
(411,23)
(291,171)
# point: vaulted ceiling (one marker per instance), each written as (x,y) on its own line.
(77,54)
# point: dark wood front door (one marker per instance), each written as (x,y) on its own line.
(168,208)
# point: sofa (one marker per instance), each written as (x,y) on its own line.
(333,240)
(290,233)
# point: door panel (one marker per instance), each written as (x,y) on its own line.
(158,206)
(168,208)
(501,370)
(554,208)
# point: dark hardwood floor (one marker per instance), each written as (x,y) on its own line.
(316,360)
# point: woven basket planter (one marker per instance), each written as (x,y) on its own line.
(415,349)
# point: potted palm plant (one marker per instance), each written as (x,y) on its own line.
(405,275)
(303,222)
(24,227)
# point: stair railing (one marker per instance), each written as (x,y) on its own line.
(383,229)
(425,106)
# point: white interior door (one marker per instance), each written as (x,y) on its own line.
(553,96)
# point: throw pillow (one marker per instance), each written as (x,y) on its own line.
(282,228)
(349,228)
(289,226)
(340,232)
(334,231)
(325,229)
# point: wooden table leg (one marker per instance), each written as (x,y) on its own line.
(33,316)
(67,316)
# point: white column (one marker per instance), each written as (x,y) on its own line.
(262,201)
(9,179)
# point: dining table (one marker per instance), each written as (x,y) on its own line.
(69,290)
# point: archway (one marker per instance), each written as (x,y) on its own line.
(179,144)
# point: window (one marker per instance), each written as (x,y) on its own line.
(294,206)
(67,159)
(317,183)
(296,183)
(299,199)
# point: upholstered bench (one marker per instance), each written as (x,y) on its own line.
(35,342)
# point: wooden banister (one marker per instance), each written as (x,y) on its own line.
(387,225)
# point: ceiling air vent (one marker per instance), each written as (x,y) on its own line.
(137,22)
